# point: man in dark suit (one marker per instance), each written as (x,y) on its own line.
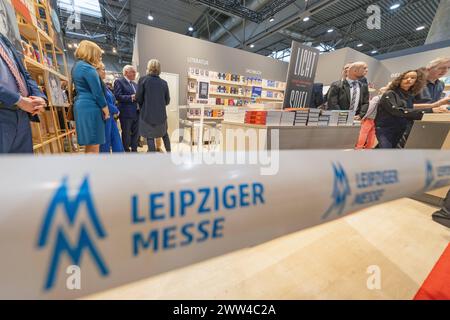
(351,93)
(443,216)
(20,101)
(125,92)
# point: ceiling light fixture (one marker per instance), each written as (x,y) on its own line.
(306,19)
(395,6)
(272,19)
(420,28)
(252,45)
(374,51)
(191,28)
(330,30)
(150,17)
(359,45)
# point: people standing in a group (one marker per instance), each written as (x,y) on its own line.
(90,108)
(113,141)
(350,94)
(396,108)
(20,101)
(434,88)
(153,97)
(431,93)
(125,92)
(367,135)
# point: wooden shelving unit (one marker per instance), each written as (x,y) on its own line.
(44,58)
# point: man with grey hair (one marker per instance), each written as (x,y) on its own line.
(125,92)
(431,93)
(434,88)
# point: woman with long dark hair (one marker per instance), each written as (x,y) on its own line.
(396,107)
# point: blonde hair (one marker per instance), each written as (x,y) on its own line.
(154,67)
(100,65)
(89,52)
(434,63)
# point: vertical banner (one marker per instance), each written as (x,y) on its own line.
(301,74)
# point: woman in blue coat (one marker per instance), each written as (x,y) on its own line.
(113,141)
(90,109)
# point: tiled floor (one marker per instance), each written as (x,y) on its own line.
(326,262)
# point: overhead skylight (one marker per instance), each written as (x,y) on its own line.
(85,7)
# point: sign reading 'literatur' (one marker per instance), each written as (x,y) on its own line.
(301,74)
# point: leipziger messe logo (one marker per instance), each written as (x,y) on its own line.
(341,191)
(71,211)
(429,175)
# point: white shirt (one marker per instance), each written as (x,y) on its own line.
(354,85)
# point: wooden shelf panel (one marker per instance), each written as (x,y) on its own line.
(205,118)
(229,95)
(37,67)
(270,99)
(273,89)
(237,84)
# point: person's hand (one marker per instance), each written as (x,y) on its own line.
(38,110)
(357,118)
(443,102)
(29,105)
(441,109)
(38,100)
(105,111)
(133,98)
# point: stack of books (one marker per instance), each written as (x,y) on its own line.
(273,118)
(301,117)
(342,118)
(325,118)
(256,117)
(350,117)
(234,114)
(313,119)
(287,118)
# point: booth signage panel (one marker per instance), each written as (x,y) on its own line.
(144,220)
(301,74)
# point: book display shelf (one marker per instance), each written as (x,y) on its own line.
(210,94)
(45,60)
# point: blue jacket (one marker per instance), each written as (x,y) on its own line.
(7,97)
(153,97)
(123,92)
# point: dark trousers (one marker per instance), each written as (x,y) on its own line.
(405,136)
(15,132)
(152,146)
(130,134)
(443,216)
(388,138)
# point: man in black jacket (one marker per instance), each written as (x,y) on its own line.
(351,94)
(443,216)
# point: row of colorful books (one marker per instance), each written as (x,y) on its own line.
(291,117)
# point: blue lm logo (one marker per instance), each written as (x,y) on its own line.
(71,209)
(341,191)
(429,179)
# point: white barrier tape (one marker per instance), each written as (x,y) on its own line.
(121,219)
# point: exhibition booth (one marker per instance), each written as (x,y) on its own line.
(218,89)
(165,223)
